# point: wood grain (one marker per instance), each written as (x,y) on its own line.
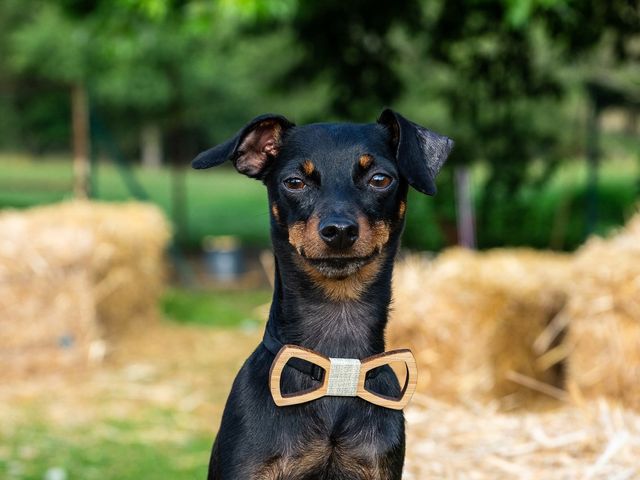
(287,352)
(386,358)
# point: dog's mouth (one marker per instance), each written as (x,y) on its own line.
(339,267)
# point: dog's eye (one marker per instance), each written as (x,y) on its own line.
(380,181)
(294,183)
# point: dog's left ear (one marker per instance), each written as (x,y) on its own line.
(420,153)
(251,149)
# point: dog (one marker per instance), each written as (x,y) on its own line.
(337,199)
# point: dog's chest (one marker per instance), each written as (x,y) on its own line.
(324,458)
(356,446)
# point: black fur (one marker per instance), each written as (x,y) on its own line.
(333,437)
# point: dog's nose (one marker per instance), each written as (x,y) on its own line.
(339,233)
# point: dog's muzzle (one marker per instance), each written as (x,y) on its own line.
(344,377)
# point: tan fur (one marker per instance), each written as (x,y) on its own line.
(275,211)
(296,465)
(306,240)
(314,455)
(308,167)
(260,144)
(350,288)
(365,161)
(298,236)
(274,147)
(402,209)
(379,234)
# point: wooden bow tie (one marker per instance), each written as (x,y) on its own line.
(343,377)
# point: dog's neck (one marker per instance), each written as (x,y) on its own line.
(303,314)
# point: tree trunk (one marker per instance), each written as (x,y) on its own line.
(151,146)
(593,164)
(81,140)
(464,208)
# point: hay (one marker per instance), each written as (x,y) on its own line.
(595,441)
(494,325)
(47,315)
(139,385)
(604,317)
(127,263)
(473,318)
(75,273)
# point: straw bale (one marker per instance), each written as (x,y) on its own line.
(74,274)
(473,318)
(604,314)
(127,264)
(47,315)
(594,441)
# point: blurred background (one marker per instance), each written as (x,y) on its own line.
(132,288)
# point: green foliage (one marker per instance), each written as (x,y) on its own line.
(52,46)
(518,13)
(431,222)
(349,44)
(253,11)
(502,77)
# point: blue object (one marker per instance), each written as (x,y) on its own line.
(66,341)
(223,258)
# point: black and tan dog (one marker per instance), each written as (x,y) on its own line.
(337,196)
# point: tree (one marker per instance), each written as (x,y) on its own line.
(507,59)
(351,43)
(492,69)
(180,65)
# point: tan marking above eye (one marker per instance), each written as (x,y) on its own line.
(308,167)
(365,161)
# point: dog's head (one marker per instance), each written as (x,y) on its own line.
(337,192)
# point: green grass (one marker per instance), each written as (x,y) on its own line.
(227,308)
(221,202)
(218,202)
(117,450)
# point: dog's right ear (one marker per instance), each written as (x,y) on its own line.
(419,152)
(252,149)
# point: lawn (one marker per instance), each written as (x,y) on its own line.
(226,308)
(105,451)
(218,202)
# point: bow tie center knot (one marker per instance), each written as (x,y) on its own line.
(343,377)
